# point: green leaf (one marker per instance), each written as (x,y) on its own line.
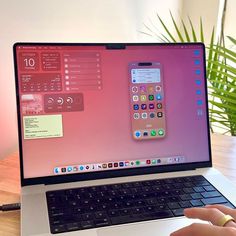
(176,28)
(193,31)
(225,67)
(228,54)
(213,79)
(186,31)
(224,98)
(166,29)
(220,68)
(151,33)
(210,52)
(232,39)
(201,31)
(222,105)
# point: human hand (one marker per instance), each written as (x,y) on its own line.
(214,214)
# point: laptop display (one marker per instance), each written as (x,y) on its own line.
(89,108)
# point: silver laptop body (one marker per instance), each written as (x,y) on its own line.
(101,114)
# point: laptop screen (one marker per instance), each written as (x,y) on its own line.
(87,108)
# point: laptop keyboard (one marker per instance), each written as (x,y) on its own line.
(113,204)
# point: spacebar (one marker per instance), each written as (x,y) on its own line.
(214,200)
(141,217)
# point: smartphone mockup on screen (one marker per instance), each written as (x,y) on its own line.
(147,100)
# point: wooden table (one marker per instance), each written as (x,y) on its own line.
(224,159)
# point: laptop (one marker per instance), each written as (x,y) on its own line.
(113,138)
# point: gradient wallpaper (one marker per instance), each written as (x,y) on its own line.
(77,108)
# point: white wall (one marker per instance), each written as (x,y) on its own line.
(230,19)
(161,8)
(207,10)
(64,21)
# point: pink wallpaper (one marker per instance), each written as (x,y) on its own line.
(101,130)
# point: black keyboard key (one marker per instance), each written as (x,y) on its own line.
(185,197)
(137,210)
(124,219)
(87,216)
(211,194)
(173,199)
(140,203)
(177,192)
(112,213)
(101,222)
(79,210)
(151,201)
(173,205)
(167,186)
(185,204)
(188,190)
(198,178)
(209,188)
(124,212)
(163,200)
(161,207)
(58,229)
(198,189)
(189,184)
(128,204)
(72,226)
(148,183)
(56,221)
(196,195)
(178,212)
(127,185)
(87,224)
(163,214)
(169,181)
(178,185)
(149,209)
(125,191)
(115,205)
(196,203)
(100,214)
(98,206)
(202,183)
(214,200)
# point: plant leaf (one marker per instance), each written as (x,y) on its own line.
(201,31)
(186,31)
(232,39)
(176,28)
(166,29)
(193,31)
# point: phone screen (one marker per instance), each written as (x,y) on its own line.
(147,100)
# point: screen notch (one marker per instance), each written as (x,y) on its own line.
(115,46)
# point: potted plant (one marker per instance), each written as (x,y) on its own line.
(221,72)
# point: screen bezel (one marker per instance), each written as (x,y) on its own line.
(108,173)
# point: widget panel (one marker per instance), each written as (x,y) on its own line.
(51,61)
(63,102)
(31,104)
(82,71)
(40,82)
(29,61)
(43,126)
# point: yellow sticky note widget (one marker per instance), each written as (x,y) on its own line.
(42,126)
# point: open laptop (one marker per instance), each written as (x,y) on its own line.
(113,138)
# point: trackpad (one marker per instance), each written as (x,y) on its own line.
(149,228)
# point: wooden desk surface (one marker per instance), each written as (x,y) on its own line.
(224,159)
